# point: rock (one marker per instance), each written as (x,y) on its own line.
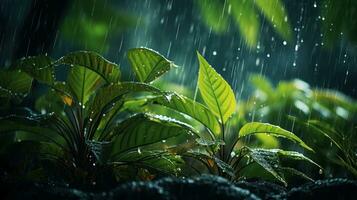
(262,189)
(204,187)
(324,189)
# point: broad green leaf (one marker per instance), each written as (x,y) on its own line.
(109,95)
(157,160)
(213,14)
(265,128)
(14,83)
(144,129)
(215,91)
(38,67)
(83,83)
(191,108)
(107,70)
(38,126)
(274,12)
(269,159)
(247,20)
(147,64)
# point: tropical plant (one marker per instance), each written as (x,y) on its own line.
(326,119)
(216,14)
(87,126)
(221,150)
(83,125)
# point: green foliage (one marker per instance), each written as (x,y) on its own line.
(90,24)
(95,122)
(245,13)
(226,154)
(86,119)
(215,91)
(14,83)
(259,128)
(147,64)
(325,119)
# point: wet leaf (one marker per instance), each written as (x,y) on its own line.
(147,64)
(107,70)
(215,91)
(265,128)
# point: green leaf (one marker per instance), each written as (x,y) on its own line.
(144,129)
(213,14)
(265,128)
(83,83)
(247,20)
(147,64)
(157,160)
(215,91)
(269,159)
(14,83)
(106,96)
(39,126)
(107,70)
(275,13)
(38,67)
(191,108)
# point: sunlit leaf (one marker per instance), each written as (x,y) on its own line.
(215,91)
(257,127)
(147,64)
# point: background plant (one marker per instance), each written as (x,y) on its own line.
(325,119)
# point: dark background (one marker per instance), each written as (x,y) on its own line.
(175,29)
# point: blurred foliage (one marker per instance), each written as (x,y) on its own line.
(326,119)
(339,17)
(216,14)
(90,23)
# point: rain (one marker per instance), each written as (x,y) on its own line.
(285,70)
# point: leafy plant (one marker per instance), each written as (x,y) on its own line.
(220,149)
(245,13)
(85,126)
(325,119)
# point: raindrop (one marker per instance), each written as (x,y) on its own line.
(214,53)
(285,43)
(233,154)
(321,171)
